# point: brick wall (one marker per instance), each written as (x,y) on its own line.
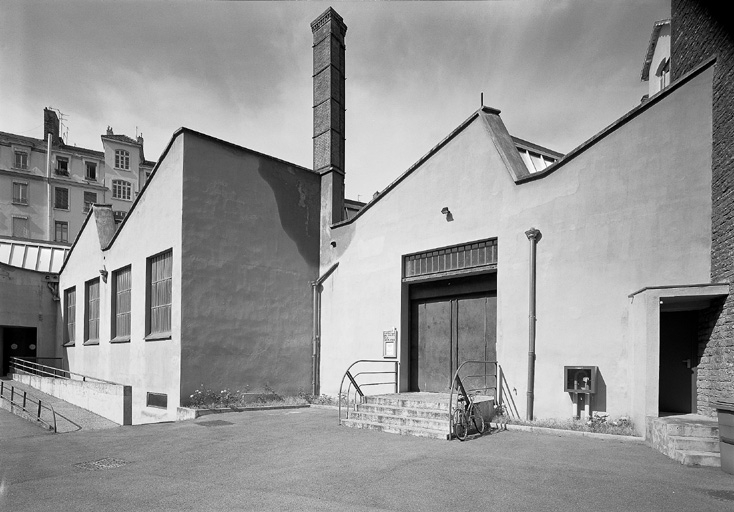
(700,30)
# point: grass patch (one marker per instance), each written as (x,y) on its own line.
(205,398)
(599,423)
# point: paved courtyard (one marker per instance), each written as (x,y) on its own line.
(302,460)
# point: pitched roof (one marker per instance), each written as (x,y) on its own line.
(121,138)
(645,75)
(41,145)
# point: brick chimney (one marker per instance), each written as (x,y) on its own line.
(51,125)
(328,112)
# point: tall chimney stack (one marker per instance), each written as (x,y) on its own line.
(328,112)
(51,125)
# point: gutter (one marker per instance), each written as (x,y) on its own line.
(316,336)
(48,188)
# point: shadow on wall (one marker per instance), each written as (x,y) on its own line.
(298,207)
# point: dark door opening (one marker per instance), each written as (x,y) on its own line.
(451,321)
(17,342)
(678,361)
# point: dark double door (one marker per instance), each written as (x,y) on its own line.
(447,330)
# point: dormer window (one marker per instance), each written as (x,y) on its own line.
(122,159)
(663,73)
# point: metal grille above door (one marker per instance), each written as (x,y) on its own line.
(454,260)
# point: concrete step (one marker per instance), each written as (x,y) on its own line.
(394,410)
(397,429)
(693,429)
(690,443)
(401,420)
(408,402)
(698,458)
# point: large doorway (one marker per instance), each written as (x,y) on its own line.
(16,342)
(451,321)
(678,362)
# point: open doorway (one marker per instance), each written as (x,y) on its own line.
(678,362)
(16,342)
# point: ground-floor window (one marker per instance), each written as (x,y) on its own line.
(121,284)
(160,274)
(92,311)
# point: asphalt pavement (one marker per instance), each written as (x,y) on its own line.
(301,459)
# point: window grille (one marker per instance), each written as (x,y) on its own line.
(70,307)
(92,329)
(121,294)
(160,292)
(471,256)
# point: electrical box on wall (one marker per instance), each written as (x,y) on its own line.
(580,379)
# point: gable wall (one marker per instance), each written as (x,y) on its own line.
(632,210)
(251,247)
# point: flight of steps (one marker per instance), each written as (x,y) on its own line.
(416,414)
(691,439)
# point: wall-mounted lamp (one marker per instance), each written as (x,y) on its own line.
(103,272)
(445,210)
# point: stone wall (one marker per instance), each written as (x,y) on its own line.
(701,30)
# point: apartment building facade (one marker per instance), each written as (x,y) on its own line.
(47,186)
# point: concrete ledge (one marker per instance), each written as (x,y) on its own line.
(111,401)
(187,413)
(566,433)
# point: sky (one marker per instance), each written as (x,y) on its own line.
(560,71)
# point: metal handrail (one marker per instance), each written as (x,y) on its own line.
(29,398)
(28,367)
(461,389)
(358,388)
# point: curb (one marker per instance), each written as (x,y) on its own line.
(566,433)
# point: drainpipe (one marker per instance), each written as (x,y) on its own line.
(48,189)
(316,338)
(534,237)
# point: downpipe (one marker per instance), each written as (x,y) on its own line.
(534,237)
(316,331)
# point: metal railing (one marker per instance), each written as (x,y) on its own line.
(353,377)
(485,378)
(27,366)
(24,400)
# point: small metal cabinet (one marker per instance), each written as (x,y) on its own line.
(580,379)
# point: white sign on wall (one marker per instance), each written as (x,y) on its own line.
(390,343)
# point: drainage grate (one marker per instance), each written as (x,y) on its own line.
(214,423)
(107,463)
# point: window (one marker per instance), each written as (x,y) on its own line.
(21,228)
(157,400)
(62,231)
(91,315)
(70,310)
(21,160)
(90,198)
(122,159)
(61,198)
(159,297)
(91,171)
(121,284)
(20,193)
(122,190)
(62,165)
